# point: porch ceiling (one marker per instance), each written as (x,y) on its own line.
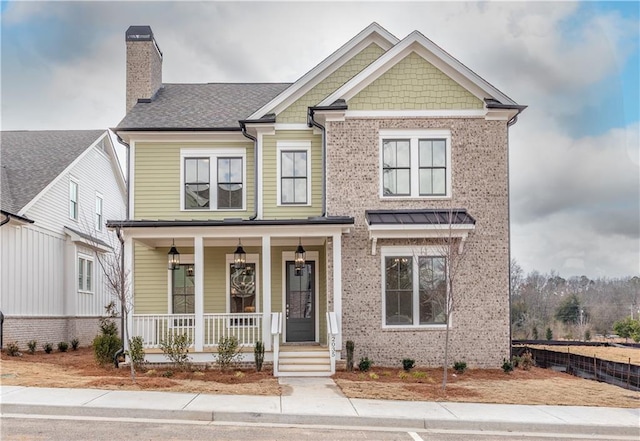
(231,243)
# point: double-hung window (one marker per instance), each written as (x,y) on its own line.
(294,172)
(415,164)
(85,274)
(414,288)
(73,199)
(203,168)
(99,218)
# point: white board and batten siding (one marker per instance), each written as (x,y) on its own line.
(40,261)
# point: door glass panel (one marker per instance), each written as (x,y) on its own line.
(183,290)
(242,283)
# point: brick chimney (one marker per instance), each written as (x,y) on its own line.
(144,64)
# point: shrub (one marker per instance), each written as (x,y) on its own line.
(176,349)
(419,374)
(136,351)
(12,349)
(32,345)
(48,347)
(587,335)
(350,347)
(365,364)
(549,334)
(526,361)
(258,354)
(239,374)
(63,346)
(460,366)
(534,331)
(228,352)
(373,375)
(167,374)
(74,344)
(507,366)
(408,364)
(403,375)
(105,347)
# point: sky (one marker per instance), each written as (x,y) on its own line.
(574,152)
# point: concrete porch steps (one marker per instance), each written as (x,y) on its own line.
(304,361)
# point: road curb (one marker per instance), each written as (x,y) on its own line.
(317,420)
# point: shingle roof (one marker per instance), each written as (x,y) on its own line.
(415,217)
(200,106)
(30,160)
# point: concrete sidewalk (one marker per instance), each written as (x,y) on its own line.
(318,401)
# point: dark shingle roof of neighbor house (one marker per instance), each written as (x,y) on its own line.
(200,106)
(30,160)
(419,217)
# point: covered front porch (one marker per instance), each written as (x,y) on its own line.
(207,295)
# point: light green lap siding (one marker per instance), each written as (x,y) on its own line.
(277,289)
(157,183)
(414,84)
(297,112)
(150,280)
(271,210)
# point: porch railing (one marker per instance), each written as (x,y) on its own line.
(154,328)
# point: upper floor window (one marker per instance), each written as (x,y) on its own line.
(99,218)
(414,287)
(73,199)
(294,172)
(415,163)
(224,167)
(85,274)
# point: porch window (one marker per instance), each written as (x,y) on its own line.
(415,292)
(183,290)
(242,288)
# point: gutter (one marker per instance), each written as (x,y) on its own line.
(313,123)
(9,216)
(243,127)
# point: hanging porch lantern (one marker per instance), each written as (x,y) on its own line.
(239,257)
(174,257)
(299,258)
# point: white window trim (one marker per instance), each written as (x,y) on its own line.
(301,146)
(185,259)
(86,259)
(99,225)
(414,252)
(213,155)
(76,182)
(414,136)
(250,258)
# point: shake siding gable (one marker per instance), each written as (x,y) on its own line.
(271,210)
(414,84)
(157,181)
(297,112)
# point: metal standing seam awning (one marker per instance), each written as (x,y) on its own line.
(418,224)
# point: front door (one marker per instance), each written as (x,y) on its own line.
(300,306)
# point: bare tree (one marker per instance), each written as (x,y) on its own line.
(116,277)
(439,276)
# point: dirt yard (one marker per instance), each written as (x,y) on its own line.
(621,355)
(536,386)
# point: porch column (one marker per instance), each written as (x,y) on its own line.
(198,308)
(128,267)
(266,292)
(337,283)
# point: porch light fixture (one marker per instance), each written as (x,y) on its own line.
(174,257)
(299,258)
(239,257)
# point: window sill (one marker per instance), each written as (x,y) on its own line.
(85,292)
(293,205)
(413,198)
(208,210)
(386,328)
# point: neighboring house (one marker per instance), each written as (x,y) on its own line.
(357,163)
(58,189)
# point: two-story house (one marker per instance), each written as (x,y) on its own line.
(58,188)
(304,215)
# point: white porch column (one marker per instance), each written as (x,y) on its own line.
(266,292)
(198,309)
(128,267)
(337,283)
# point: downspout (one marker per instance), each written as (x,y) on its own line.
(311,122)
(243,127)
(6,220)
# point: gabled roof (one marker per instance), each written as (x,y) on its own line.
(211,106)
(416,42)
(30,160)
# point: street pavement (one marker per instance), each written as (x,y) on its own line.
(318,401)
